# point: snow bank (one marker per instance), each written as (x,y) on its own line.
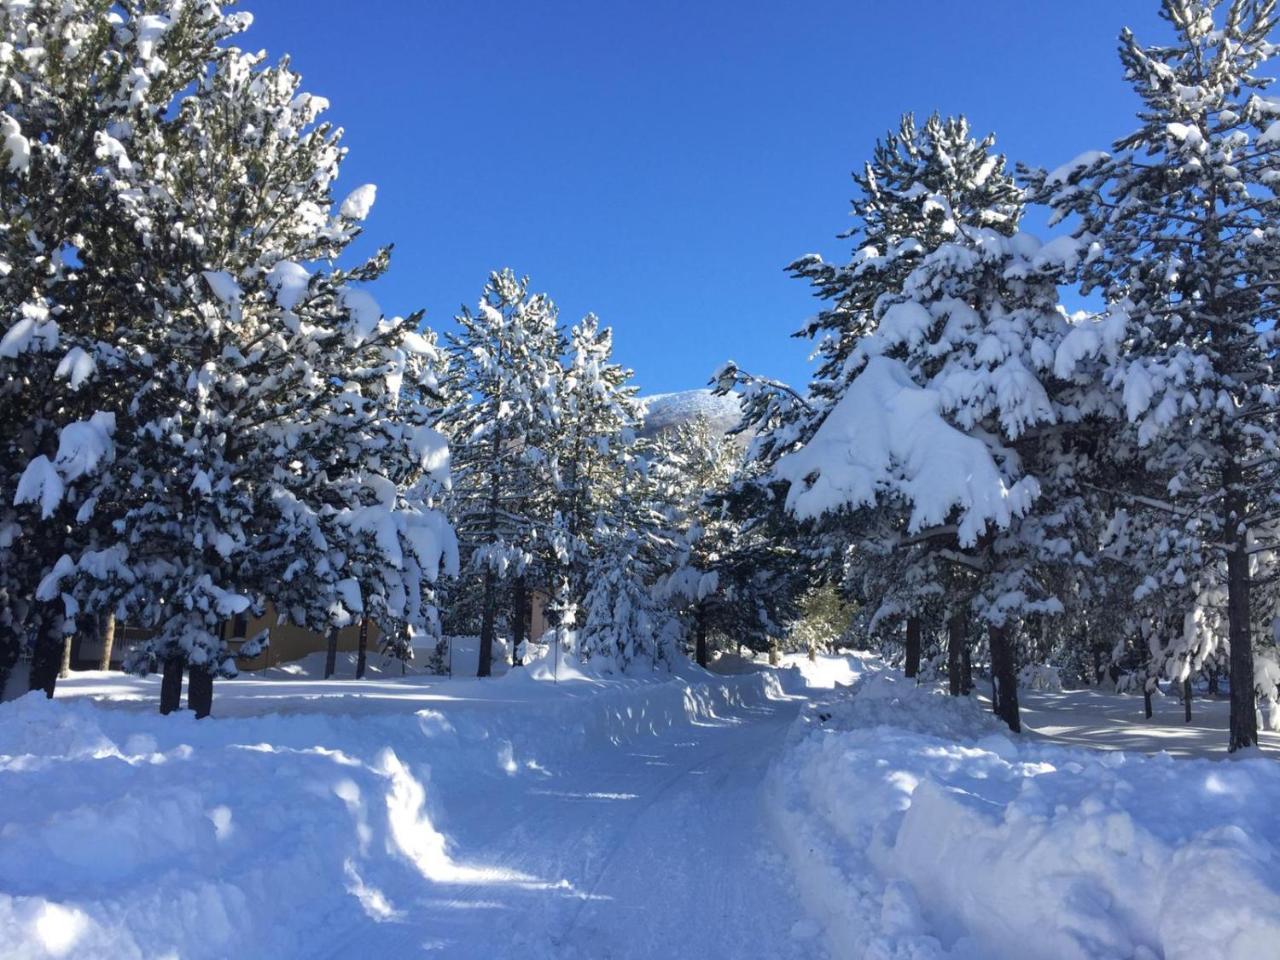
(126,834)
(917,829)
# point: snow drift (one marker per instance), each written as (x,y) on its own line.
(125,834)
(917,829)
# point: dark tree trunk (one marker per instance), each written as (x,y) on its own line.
(331,653)
(519,609)
(700,638)
(108,641)
(46,656)
(912,666)
(171,685)
(1244,717)
(955,654)
(1213,682)
(200,691)
(1097,666)
(966,670)
(489,614)
(362,648)
(1186,700)
(1004,676)
(10,651)
(1146,700)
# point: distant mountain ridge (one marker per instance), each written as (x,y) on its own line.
(662,411)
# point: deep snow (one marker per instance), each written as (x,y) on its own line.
(504,818)
(917,828)
(754,812)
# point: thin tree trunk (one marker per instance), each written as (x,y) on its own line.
(1186,700)
(69,643)
(331,654)
(1213,682)
(108,641)
(1146,700)
(171,685)
(362,648)
(1244,717)
(966,670)
(912,666)
(519,607)
(490,610)
(1004,676)
(700,638)
(200,691)
(955,647)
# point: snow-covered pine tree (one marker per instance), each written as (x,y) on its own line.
(1178,230)
(735,571)
(506,356)
(619,621)
(262,449)
(948,410)
(594,454)
(77,79)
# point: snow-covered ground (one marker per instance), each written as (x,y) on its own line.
(1109,721)
(917,829)
(752,812)
(506,818)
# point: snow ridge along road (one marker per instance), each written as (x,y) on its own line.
(508,818)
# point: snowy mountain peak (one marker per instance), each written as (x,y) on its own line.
(662,411)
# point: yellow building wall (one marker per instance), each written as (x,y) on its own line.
(291,642)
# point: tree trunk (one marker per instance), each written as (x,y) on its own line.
(1146,700)
(966,670)
(362,648)
(912,666)
(331,654)
(1004,676)
(1186,700)
(200,691)
(700,638)
(10,651)
(519,608)
(955,652)
(490,600)
(69,643)
(1244,717)
(171,685)
(46,656)
(108,641)
(1213,682)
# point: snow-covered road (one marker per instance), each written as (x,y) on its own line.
(469,819)
(658,850)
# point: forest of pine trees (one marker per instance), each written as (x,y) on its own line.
(203,409)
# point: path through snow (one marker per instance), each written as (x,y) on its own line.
(464,820)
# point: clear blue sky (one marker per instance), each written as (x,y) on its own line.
(660,162)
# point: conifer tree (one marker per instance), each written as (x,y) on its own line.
(1177,230)
(507,360)
(78,81)
(948,420)
(262,451)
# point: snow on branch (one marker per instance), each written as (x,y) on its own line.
(887,435)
